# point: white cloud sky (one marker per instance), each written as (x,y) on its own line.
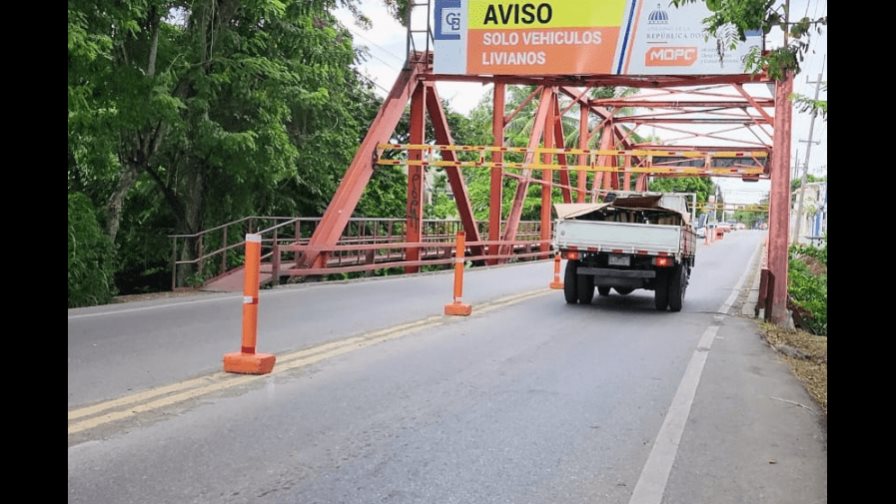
(386,42)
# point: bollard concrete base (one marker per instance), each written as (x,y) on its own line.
(458,309)
(245,363)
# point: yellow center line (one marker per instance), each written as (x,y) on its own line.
(168,395)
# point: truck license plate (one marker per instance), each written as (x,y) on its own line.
(620,260)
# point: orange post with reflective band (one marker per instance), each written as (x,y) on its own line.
(557,284)
(246,361)
(458,308)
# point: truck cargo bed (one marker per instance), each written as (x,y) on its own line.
(619,237)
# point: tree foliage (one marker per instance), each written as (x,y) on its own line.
(184,115)
(398,9)
(91,257)
(703,186)
(795,182)
(732,19)
(751,215)
(807,286)
(804,103)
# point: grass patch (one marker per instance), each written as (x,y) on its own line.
(807,356)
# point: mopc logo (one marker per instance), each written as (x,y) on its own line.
(670,56)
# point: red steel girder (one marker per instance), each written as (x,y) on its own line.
(601,112)
(700,148)
(496,187)
(714,135)
(641,183)
(547,189)
(560,141)
(606,143)
(455,178)
(522,188)
(743,121)
(576,99)
(603,80)
(779,200)
(624,102)
(755,103)
(582,177)
(719,111)
(416,177)
(521,106)
(350,189)
(614,161)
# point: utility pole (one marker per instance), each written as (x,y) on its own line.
(794,175)
(809,142)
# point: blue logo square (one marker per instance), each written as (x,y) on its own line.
(447,14)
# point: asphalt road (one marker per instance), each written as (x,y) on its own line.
(529,401)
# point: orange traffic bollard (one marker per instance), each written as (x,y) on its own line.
(557,284)
(246,361)
(458,308)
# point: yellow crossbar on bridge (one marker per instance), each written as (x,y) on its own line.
(687,170)
(427,148)
(645,164)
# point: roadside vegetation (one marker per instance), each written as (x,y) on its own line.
(806,349)
(808,287)
(807,356)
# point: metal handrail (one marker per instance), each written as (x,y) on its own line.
(359,242)
(227,224)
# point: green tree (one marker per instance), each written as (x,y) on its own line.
(91,257)
(750,215)
(398,9)
(703,186)
(732,19)
(795,183)
(805,103)
(186,114)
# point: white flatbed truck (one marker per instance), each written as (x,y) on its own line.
(633,240)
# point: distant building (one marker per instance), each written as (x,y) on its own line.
(815,212)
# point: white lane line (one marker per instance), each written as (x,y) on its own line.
(651,484)
(740,282)
(233,297)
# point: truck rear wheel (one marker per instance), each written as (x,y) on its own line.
(570,281)
(625,291)
(677,286)
(586,288)
(661,290)
(603,290)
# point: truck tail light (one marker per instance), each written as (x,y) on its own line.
(571,255)
(664,262)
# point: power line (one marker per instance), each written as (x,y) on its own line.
(375,83)
(374,56)
(377,45)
